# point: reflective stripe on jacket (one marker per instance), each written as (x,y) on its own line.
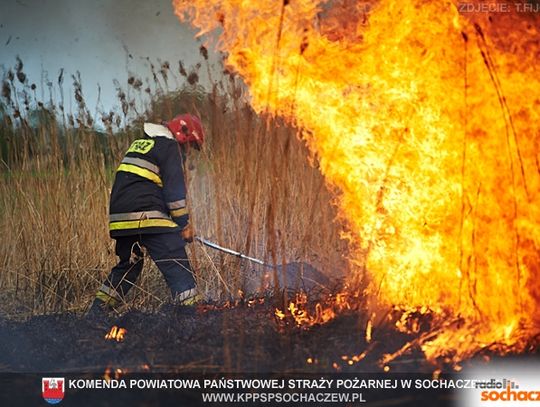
(149,193)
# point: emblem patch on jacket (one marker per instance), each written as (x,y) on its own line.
(141,146)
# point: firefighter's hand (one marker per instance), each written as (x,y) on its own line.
(187,233)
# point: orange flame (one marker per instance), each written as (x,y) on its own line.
(305,315)
(110,373)
(426,121)
(116,333)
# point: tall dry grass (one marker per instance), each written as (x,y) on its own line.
(251,188)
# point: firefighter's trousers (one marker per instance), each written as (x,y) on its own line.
(168,252)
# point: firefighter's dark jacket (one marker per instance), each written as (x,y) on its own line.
(149,192)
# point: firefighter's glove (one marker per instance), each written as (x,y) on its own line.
(187,233)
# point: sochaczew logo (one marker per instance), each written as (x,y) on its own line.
(510,395)
(505,390)
(52,389)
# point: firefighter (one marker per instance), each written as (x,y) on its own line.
(148,209)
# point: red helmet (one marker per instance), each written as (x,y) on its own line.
(187,128)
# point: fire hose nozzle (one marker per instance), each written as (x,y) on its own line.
(230,251)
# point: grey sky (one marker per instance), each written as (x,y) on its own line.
(91,36)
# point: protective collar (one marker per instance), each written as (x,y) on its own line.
(157,130)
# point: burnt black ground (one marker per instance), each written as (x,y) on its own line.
(240,339)
(184,342)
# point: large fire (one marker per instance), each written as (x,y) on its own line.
(425,118)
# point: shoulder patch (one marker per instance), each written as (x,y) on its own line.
(141,146)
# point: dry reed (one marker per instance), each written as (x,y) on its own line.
(251,188)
